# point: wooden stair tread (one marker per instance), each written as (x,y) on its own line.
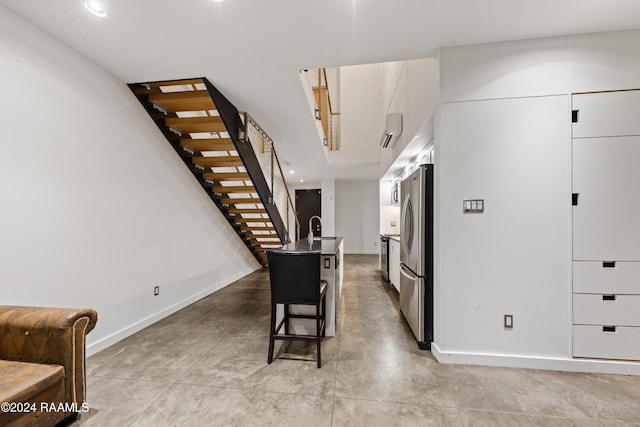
(246,210)
(240,219)
(195,100)
(196,124)
(259,228)
(208,144)
(183,82)
(226,176)
(234,189)
(240,200)
(263,236)
(218,161)
(274,244)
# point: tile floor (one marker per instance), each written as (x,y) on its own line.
(206,366)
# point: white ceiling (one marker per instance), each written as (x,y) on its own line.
(252,49)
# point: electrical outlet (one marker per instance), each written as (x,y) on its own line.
(508,321)
(393,223)
(156,290)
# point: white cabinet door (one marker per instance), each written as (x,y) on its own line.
(606,114)
(394,263)
(606,177)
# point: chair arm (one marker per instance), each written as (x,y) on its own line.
(50,336)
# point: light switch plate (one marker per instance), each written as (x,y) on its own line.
(473,206)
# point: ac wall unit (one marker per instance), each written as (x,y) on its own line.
(392,130)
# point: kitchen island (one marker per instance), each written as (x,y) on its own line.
(331,269)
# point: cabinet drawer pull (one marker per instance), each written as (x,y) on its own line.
(608,264)
(608,329)
(608,297)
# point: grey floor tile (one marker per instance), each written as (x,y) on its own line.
(357,412)
(188,405)
(244,366)
(207,365)
(117,403)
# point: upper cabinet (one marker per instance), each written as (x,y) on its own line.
(411,88)
(606,114)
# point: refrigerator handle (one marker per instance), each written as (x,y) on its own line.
(405,234)
(407,273)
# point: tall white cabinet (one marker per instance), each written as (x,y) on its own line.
(606,225)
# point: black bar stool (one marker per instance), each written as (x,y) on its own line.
(295,279)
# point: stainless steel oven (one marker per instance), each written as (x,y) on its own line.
(384,257)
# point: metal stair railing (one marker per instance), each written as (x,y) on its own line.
(267,156)
(267,179)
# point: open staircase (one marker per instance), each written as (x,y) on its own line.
(208,133)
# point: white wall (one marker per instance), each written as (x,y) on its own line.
(358,216)
(361,122)
(328,206)
(551,66)
(96,207)
(503,134)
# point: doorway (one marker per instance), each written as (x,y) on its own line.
(308,204)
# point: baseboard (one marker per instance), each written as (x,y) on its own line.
(110,340)
(536,362)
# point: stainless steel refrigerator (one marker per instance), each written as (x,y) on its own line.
(416,254)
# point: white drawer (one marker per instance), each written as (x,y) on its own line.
(592,277)
(591,341)
(611,309)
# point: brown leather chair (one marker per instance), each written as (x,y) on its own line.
(295,279)
(42,364)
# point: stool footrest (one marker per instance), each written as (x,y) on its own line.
(301,316)
(295,337)
(322,322)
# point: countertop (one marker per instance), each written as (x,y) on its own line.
(326,246)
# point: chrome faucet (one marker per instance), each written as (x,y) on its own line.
(310,224)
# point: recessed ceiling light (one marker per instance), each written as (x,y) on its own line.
(96,8)
(292,171)
(302,180)
(218,1)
